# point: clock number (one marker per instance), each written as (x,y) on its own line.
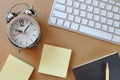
(21,21)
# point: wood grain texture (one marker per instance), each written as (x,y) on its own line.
(84,48)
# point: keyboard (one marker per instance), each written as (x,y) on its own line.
(95,18)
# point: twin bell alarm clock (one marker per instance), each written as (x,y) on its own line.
(23,30)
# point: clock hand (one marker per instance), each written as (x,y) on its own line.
(17,30)
(26,28)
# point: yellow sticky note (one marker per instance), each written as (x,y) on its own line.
(15,69)
(54,61)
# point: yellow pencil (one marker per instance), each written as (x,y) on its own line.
(107,71)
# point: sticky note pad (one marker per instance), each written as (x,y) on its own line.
(15,69)
(54,61)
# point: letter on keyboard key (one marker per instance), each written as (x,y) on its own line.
(89,8)
(116,16)
(83,6)
(97,25)
(95,2)
(59,14)
(102,5)
(70,17)
(96,10)
(95,32)
(76,4)
(108,6)
(103,20)
(110,14)
(116,24)
(83,14)
(103,13)
(74,26)
(89,15)
(115,9)
(60,22)
(69,2)
(109,21)
(69,10)
(77,19)
(116,38)
(66,24)
(91,23)
(104,27)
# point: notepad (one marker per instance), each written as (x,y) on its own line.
(95,69)
(15,69)
(54,61)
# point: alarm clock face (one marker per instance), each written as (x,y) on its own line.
(23,31)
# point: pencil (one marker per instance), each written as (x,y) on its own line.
(107,71)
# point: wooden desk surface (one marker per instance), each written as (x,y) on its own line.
(84,48)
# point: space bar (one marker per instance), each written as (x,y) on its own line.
(95,32)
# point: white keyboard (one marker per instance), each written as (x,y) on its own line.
(96,18)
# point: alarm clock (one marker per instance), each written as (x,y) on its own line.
(23,30)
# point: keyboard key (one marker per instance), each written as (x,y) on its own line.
(117,31)
(95,2)
(116,24)
(110,14)
(108,6)
(102,5)
(103,19)
(83,6)
(95,32)
(98,25)
(111,29)
(52,20)
(96,18)
(103,13)
(70,17)
(69,2)
(89,15)
(116,38)
(76,4)
(96,10)
(115,9)
(74,26)
(88,1)
(91,23)
(59,22)
(116,16)
(112,1)
(110,22)
(59,7)
(89,8)
(66,24)
(84,21)
(59,14)
(83,14)
(75,11)
(77,19)
(118,4)
(69,10)
(104,27)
